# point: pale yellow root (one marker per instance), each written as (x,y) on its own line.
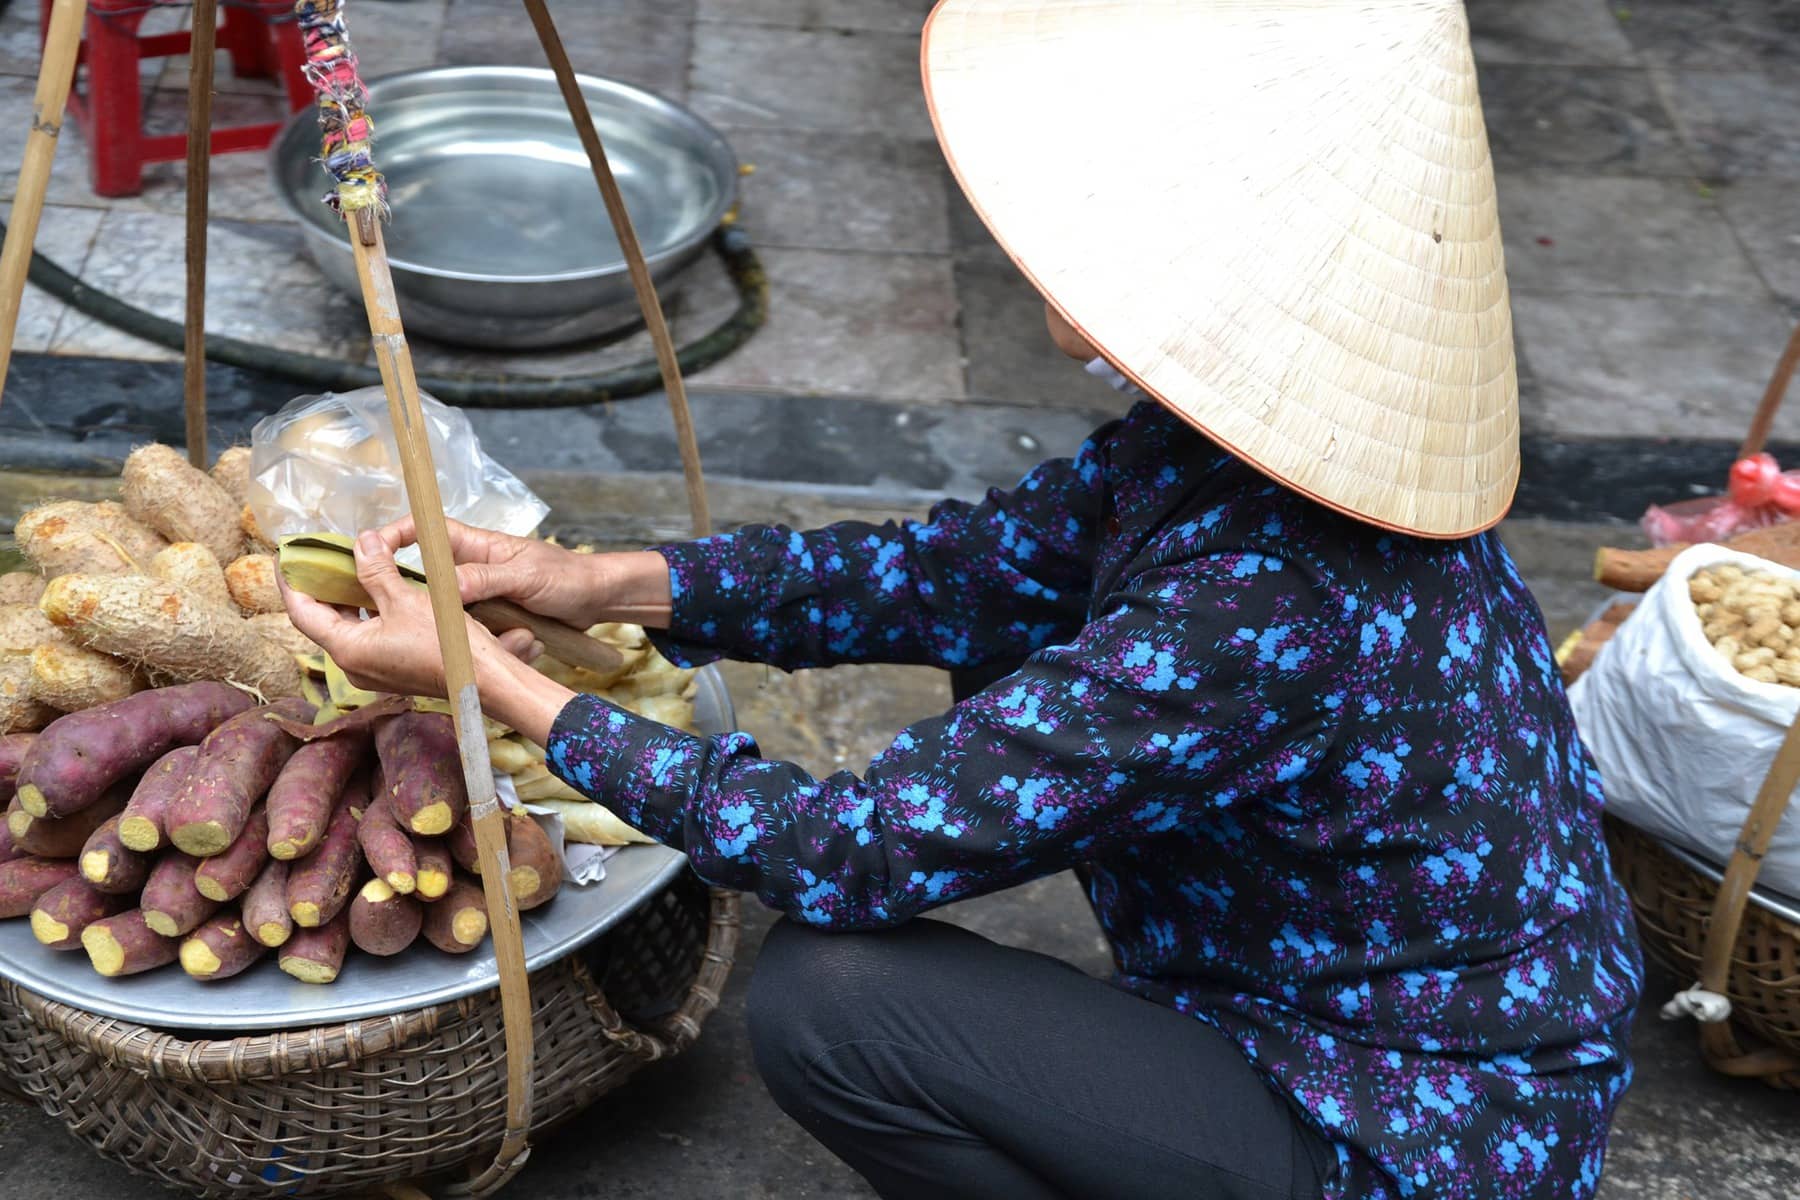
(167,493)
(140,834)
(431,885)
(20,711)
(469,926)
(232,472)
(308,971)
(161,922)
(251,579)
(193,567)
(305,914)
(273,933)
(95,865)
(432,820)
(198,959)
(21,587)
(73,678)
(202,839)
(169,631)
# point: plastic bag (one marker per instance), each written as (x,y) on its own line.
(1758,494)
(1682,738)
(331,463)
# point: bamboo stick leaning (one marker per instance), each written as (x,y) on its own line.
(56,74)
(203,39)
(360,197)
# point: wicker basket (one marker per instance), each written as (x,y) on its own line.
(349,1108)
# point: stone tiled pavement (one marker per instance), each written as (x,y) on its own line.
(1648,163)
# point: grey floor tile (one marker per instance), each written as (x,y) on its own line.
(844,191)
(1010,356)
(1569,233)
(877,325)
(645,44)
(761,77)
(1766,215)
(1712,35)
(969,236)
(1657,366)
(882,16)
(1740,122)
(1602,120)
(259,287)
(64,236)
(1548,31)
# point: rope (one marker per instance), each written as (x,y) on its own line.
(1708,1008)
(347,132)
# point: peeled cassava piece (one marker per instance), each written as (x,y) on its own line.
(72,763)
(237,764)
(162,627)
(192,566)
(73,678)
(180,501)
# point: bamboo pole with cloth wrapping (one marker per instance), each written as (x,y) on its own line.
(360,196)
(56,74)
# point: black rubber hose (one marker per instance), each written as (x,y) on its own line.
(467,390)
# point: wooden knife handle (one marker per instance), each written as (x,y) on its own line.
(562,642)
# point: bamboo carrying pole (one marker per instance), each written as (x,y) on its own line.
(394,359)
(641,282)
(56,74)
(199,177)
(1772,397)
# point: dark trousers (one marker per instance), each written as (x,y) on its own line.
(939,1064)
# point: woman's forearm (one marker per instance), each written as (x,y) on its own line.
(631,587)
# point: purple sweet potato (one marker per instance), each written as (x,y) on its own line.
(220,948)
(238,762)
(462,847)
(306,792)
(12,756)
(457,923)
(61,913)
(141,824)
(62,837)
(171,904)
(9,849)
(23,880)
(317,955)
(388,848)
(424,771)
(110,865)
(227,876)
(264,906)
(124,945)
(319,884)
(435,868)
(73,762)
(536,874)
(382,921)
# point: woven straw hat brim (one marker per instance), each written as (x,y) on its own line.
(1276,216)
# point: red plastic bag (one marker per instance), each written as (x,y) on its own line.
(1758,494)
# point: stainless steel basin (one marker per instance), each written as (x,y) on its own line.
(498,237)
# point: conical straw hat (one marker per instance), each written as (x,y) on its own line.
(1276,216)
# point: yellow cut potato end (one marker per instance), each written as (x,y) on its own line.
(377,891)
(286,851)
(202,839)
(432,885)
(432,820)
(139,833)
(211,888)
(197,959)
(18,823)
(95,864)
(103,949)
(308,971)
(305,913)
(403,882)
(161,922)
(524,881)
(273,933)
(31,799)
(469,926)
(47,929)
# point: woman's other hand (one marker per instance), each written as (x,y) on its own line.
(576,589)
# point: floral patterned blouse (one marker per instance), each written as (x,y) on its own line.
(1321,784)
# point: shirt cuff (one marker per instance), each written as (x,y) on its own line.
(644,771)
(692,638)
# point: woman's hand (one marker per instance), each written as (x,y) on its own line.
(577,589)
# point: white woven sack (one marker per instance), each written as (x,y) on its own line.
(1683,739)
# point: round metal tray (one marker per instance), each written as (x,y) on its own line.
(265,998)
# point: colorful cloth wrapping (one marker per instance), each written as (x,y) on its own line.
(348,133)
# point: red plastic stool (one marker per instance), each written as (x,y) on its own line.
(261,37)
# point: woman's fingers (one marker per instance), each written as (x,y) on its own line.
(378,573)
(519,643)
(490,581)
(319,621)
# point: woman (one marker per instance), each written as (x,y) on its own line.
(1286,708)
